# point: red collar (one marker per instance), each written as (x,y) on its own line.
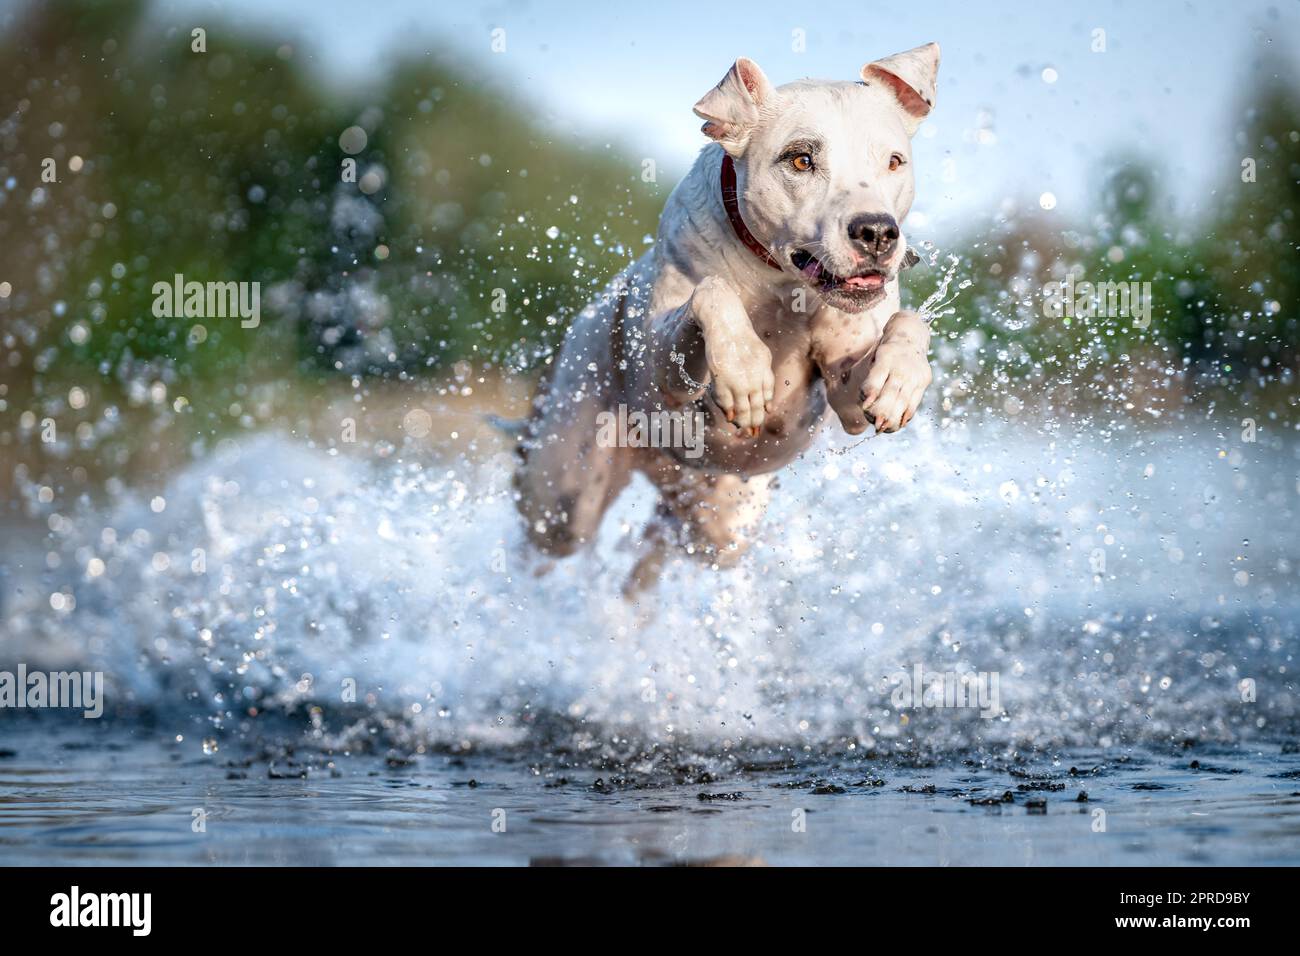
(732,206)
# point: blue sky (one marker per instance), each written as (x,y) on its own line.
(1169,84)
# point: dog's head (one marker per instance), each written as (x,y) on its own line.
(824,171)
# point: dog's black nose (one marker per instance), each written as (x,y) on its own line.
(877,231)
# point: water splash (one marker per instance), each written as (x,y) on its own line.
(398,596)
(936,305)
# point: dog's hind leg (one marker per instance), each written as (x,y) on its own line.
(720,513)
(717,514)
(656,542)
(565,483)
(569,472)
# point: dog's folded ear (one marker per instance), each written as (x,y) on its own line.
(911,77)
(732,108)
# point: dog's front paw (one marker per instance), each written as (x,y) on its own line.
(899,374)
(740,365)
(741,368)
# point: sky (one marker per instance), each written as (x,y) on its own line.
(1026,106)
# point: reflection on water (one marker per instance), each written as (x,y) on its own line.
(130,795)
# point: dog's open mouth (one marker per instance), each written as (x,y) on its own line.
(864,283)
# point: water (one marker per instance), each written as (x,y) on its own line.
(376,626)
(938,303)
(82,795)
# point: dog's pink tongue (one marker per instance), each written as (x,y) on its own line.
(873,281)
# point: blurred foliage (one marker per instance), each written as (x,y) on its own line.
(226,165)
(1225,322)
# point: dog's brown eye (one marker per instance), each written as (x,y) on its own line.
(895,161)
(802,163)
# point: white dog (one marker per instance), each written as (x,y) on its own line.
(771,295)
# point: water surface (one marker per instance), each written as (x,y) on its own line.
(347,661)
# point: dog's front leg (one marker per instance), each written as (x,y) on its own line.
(885,386)
(710,342)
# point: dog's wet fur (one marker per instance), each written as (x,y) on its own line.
(703,323)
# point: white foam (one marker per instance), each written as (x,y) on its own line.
(966,549)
